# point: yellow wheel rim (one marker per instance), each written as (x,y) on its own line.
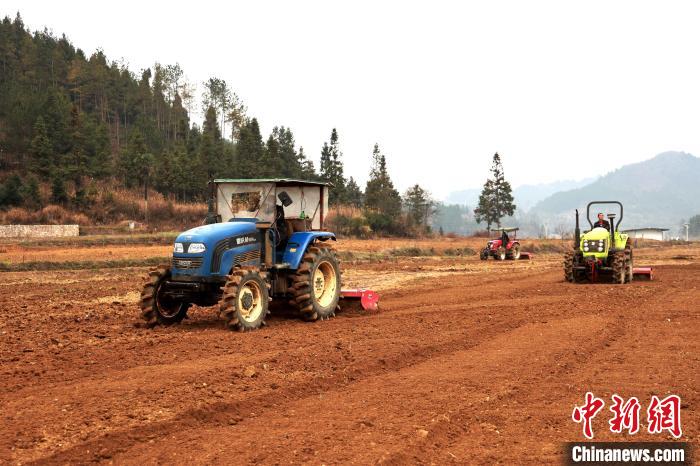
(325,284)
(250,301)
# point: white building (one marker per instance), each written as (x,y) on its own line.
(647,233)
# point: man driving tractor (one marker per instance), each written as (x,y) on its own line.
(504,239)
(602,223)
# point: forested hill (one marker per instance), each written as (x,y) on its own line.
(68,117)
(658,192)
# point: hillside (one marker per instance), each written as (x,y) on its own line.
(657,192)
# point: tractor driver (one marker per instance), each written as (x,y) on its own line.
(602,223)
(504,239)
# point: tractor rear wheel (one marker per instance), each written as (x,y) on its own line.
(156,306)
(619,267)
(515,252)
(245,299)
(315,287)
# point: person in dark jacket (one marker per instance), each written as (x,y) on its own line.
(504,239)
(602,223)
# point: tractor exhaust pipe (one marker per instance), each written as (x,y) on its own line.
(612,231)
(577,232)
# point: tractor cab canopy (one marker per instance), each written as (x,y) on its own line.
(507,230)
(303,202)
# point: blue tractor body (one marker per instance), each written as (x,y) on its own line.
(263,240)
(231,244)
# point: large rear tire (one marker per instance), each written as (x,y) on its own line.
(245,300)
(515,252)
(156,307)
(315,287)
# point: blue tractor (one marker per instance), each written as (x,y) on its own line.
(263,240)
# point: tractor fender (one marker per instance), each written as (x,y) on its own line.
(298,244)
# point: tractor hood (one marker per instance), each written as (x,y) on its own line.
(596,234)
(210,234)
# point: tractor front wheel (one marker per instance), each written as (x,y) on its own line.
(484,254)
(315,287)
(619,268)
(245,299)
(156,306)
(501,254)
(569,267)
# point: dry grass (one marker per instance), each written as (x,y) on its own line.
(109,204)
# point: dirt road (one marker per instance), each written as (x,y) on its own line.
(467,362)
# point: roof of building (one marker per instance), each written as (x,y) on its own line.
(271,180)
(646,229)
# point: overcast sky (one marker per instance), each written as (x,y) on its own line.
(560,89)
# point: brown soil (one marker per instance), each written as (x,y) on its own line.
(466,362)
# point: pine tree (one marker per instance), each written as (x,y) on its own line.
(308,171)
(41,149)
(30,193)
(58,189)
(496,199)
(419,206)
(12,191)
(354,195)
(210,148)
(380,193)
(249,151)
(332,169)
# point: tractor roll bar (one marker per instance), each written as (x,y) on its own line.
(588,213)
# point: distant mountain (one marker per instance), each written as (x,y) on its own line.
(658,192)
(526,195)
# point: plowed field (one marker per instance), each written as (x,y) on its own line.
(466,362)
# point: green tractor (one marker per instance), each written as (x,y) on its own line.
(602,253)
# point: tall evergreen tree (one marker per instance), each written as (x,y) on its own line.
(380,193)
(12,191)
(249,151)
(496,199)
(58,189)
(354,195)
(419,206)
(41,150)
(332,168)
(308,171)
(210,148)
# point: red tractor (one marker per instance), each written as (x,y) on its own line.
(506,246)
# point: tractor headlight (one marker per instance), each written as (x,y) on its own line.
(585,248)
(196,248)
(178,248)
(600,248)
